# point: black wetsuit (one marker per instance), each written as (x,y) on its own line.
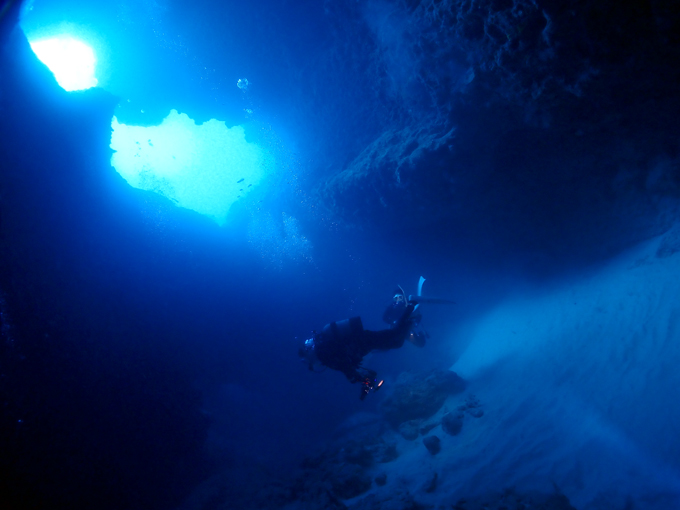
(344,348)
(394,311)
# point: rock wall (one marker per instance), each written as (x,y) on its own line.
(542,125)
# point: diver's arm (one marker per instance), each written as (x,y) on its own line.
(403,321)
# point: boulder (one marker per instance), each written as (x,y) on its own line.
(417,396)
(452,423)
(369,451)
(475,412)
(472,406)
(384,452)
(433,444)
(410,429)
(381,479)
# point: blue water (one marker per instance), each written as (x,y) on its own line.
(146,347)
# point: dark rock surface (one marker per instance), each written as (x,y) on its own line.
(388,171)
(433,444)
(384,452)
(342,471)
(410,429)
(347,483)
(418,396)
(510,500)
(358,454)
(452,423)
(399,501)
(472,406)
(475,412)
(343,477)
(381,479)
(546,125)
(367,451)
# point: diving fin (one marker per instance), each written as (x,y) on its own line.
(431,300)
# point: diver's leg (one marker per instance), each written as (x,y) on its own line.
(388,338)
(383,340)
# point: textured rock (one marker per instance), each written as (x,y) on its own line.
(364,452)
(472,401)
(433,444)
(387,169)
(452,423)
(384,452)
(475,412)
(401,500)
(472,406)
(420,395)
(350,483)
(509,499)
(503,113)
(358,454)
(381,479)
(410,429)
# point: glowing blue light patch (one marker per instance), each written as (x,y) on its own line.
(205,168)
(72,61)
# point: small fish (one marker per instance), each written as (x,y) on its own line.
(240,180)
(249,185)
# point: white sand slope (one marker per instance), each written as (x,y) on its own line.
(581,387)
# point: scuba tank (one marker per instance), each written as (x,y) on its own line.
(343,329)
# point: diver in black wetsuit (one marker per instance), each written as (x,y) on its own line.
(417,336)
(342,346)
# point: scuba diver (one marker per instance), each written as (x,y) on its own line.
(417,335)
(342,346)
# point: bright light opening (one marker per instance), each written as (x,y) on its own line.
(72,61)
(205,168)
